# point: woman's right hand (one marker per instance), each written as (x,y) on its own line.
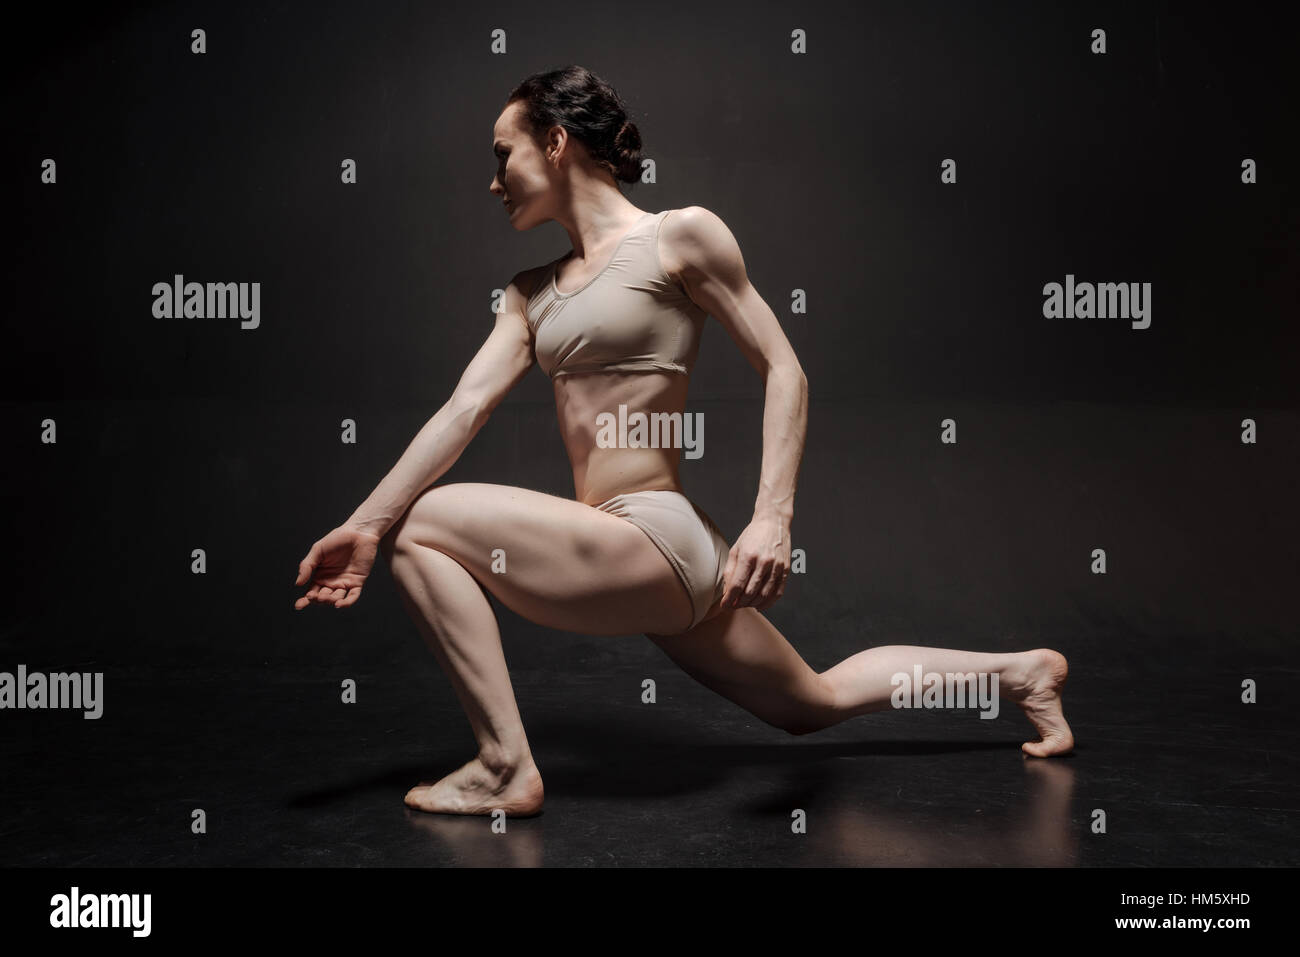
(337,566)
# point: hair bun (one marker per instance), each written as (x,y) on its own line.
(628,137)
(586,106)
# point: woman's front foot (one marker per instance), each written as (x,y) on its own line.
(477,788)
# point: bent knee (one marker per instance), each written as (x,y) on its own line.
(398,539)
(433,509)
(388,542)
(818,711)
(802,726)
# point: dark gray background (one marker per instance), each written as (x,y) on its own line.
(1122,167)
(924,303)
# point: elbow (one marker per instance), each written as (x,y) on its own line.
(792,371)
(789,374)
(799,383)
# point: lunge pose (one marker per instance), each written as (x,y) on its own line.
(615,322)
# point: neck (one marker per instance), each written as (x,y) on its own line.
(595,214)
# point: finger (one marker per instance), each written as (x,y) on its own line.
(756,581)
(308,564)
(307,598)
(731,564)
(332,592)
(736,583)
(755,584)
(351,598)
(340,593)
(772,599)
(774,581)
(729,590)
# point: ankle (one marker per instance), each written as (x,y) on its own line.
(1016,680)
(504,762)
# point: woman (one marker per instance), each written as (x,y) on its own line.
(615,322)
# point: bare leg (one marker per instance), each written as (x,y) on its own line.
(1032,679)
(458,624)
(743,657)
(566,566)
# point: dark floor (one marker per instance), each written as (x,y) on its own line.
(289,776)
(219,696)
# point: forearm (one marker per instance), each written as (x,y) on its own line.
(785,422)
(432,452)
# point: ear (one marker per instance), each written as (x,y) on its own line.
(557,139)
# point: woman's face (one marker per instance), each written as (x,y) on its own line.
(523,177)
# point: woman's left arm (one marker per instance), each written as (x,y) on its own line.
(697,249)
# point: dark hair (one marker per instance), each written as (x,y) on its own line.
(588,107)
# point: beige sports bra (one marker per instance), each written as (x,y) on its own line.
(629,317)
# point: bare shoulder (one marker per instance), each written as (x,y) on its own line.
(521,288)
(526,280)
(695,243)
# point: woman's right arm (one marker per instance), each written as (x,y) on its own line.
(499,364)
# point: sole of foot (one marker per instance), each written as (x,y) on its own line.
(1041,703)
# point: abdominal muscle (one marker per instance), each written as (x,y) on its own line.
(601,473)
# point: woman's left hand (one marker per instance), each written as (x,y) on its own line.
(758,564)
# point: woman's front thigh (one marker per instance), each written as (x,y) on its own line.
(555,561)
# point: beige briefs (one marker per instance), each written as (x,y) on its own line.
(687,536)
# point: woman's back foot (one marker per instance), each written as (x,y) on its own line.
(1038,693)
(475,789)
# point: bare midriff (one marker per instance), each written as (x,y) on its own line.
(601,473)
